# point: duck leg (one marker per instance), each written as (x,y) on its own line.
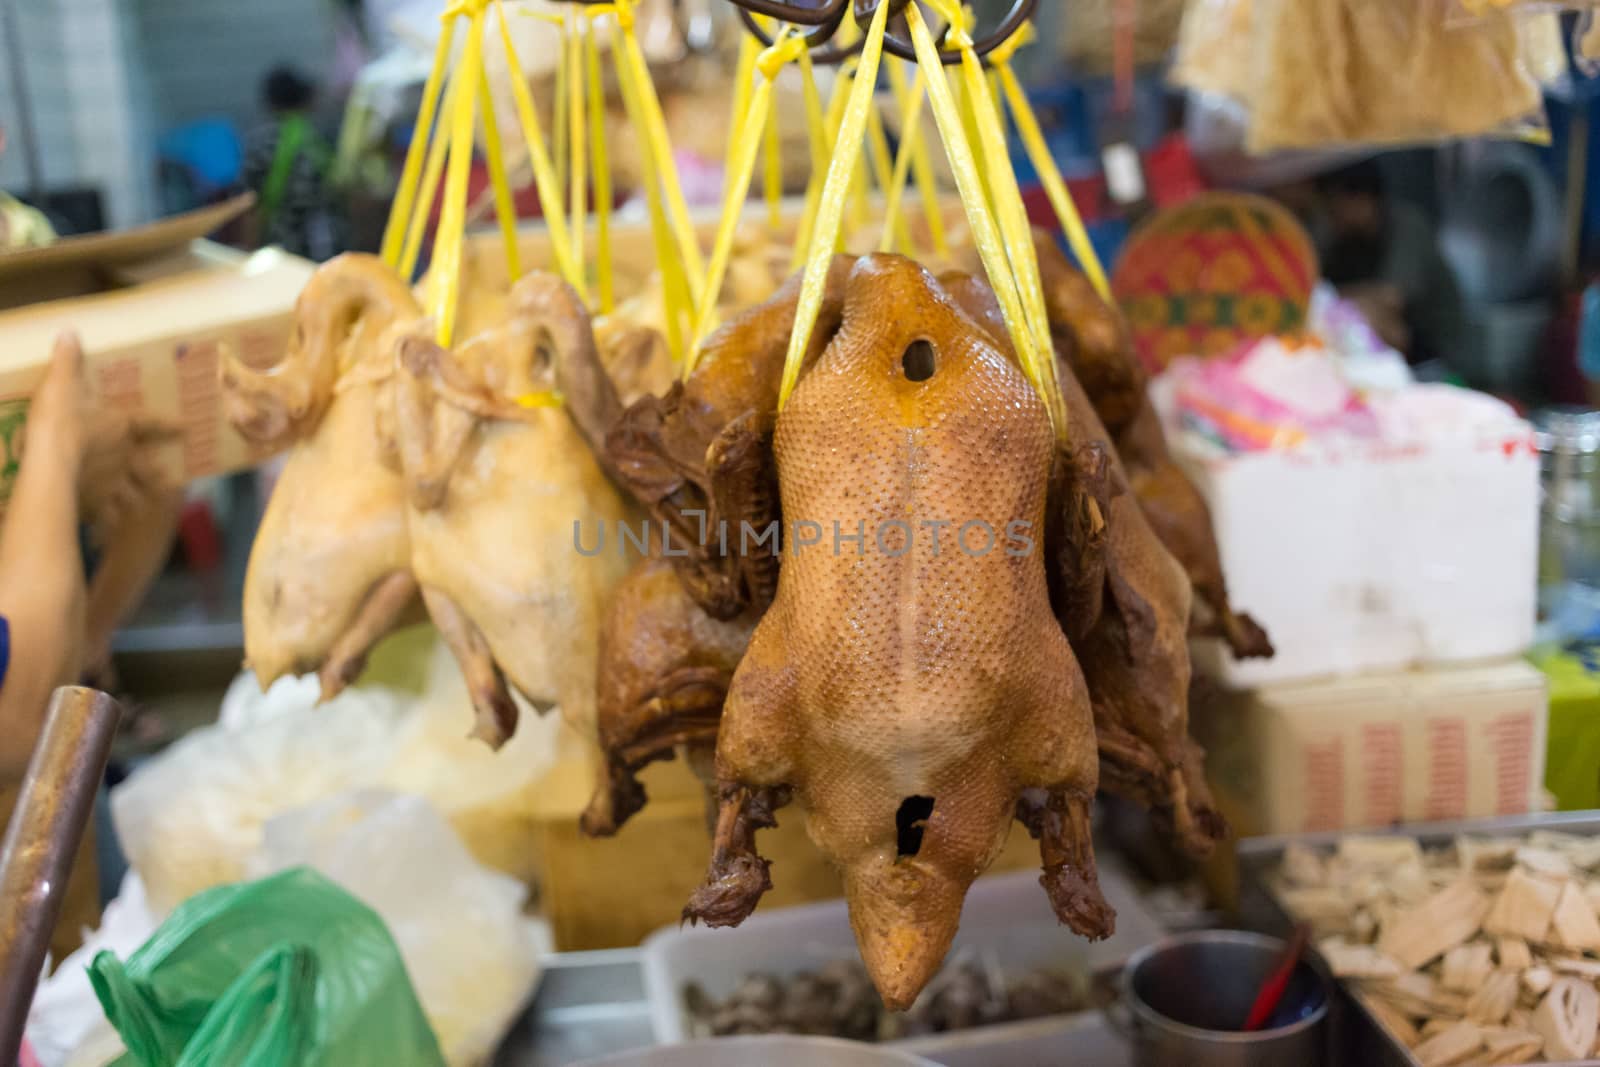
(738,875)
(1060,821)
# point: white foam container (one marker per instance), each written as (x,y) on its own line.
(1007,918)
(1374,558)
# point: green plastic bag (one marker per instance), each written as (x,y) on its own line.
(287,971)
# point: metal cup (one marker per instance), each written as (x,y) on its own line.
(1187,996)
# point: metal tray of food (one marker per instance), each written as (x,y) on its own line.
(1361,1039)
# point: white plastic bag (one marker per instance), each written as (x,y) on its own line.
(471,954)
(190,818)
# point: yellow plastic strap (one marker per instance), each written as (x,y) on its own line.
(1050,177)
(816,127)
(602,172)
(830,211)
(883,173)
(544,398)
(785,49)
(674,287)
(911,139)
(984,231)
(422,206)
(453,218)
(742,75)
(505,207)
(544,175)
(634,68)
(560,130)
(772,152)
(578,183)
(405,196)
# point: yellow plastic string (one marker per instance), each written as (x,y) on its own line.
(830,211)
(602,172)
(578,183)
(558,118)
(634,68)
(1012,216)
(422,205)
(544,177)
(969,128)
(505,207)
(816,139)
(544,398)
(910,104)
(1044,164)
(785,49)
(453,218)
(743,72)
(772,151)
(405,197)
(985,233)
(883,174)
(674,287)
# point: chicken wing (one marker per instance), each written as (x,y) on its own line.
(914,699)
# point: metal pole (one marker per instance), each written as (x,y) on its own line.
(29,137)
(46,829)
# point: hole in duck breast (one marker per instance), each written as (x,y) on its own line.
(917,362)
(910,822)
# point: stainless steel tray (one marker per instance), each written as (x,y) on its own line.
(1361,1039)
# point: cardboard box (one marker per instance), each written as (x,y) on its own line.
(155,346)
(1377,558)
(1421,746)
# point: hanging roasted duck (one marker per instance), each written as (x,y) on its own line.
(1125,602)
(1093,338)
(329,572)
(914,701)
(698,458)
(497,438)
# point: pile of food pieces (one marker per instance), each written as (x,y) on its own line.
(905,603)
(1483,952)
(838,1000)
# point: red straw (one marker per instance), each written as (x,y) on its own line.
(1271,992)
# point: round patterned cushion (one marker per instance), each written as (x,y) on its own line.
(1204,276)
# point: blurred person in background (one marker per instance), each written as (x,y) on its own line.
(79,464)
(286,164)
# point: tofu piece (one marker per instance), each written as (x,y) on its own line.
(1451,917)
(1573,924)
(1524,907)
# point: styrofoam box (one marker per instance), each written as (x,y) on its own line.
(1374,558)
(1007,921)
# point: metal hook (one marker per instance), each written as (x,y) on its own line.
(816,38)
(900,46)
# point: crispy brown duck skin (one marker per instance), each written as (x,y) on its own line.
(1131,635)
(907,689)
(699,456)
(1094,339)
(665,666)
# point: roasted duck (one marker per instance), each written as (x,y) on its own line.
(502,485)
(698,457)
(914,700)
(665,669)
(1094,341)
(329,571)
(1125,602)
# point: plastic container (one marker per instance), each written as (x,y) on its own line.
(1007,919)
(768,1050)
